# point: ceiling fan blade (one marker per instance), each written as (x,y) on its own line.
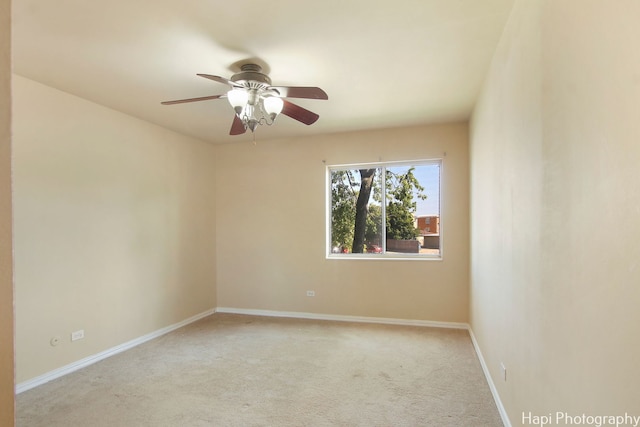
(202,98)
(300,92)
(298,113)
(237,128)
(220,80)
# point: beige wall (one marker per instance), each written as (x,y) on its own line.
(554,149)
(271,229)
(114,227)
(6,266)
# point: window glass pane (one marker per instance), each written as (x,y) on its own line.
(412,201)
(391,209)
(356,213)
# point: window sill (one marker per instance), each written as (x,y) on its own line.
(386,257)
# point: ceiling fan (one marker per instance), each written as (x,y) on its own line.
(256,102)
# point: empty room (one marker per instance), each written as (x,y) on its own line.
(411,213)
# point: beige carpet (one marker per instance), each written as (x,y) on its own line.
(233,370)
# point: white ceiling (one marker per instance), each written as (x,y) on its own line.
(383,64)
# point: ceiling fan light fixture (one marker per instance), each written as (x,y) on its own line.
(238,99)
(255,106)
(273,106)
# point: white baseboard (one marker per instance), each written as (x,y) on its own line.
(341,318)
(57,373)
(492,386)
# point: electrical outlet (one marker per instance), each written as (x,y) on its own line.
(311,293)
(77,335)
(504,371)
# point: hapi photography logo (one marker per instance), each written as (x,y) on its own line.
(566,419)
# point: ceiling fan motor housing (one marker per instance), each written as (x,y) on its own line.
(251,73)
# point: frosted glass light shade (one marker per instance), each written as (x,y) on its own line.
(238,99)
(273,105)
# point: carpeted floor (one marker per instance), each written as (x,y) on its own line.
(234,370)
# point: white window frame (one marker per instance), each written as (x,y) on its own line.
(383,256)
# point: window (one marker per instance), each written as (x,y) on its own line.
(384,210)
